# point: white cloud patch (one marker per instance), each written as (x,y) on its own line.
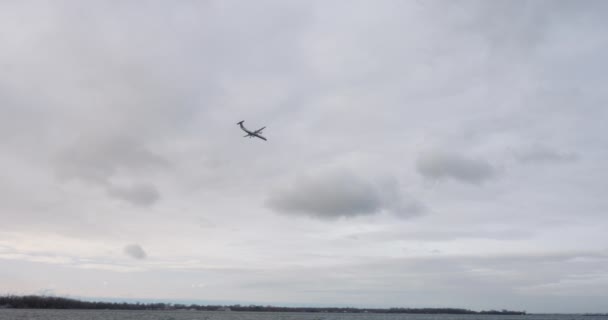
(440,165)
(329,194)
(135,251)
(37,258)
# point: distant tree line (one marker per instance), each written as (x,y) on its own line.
(51,302)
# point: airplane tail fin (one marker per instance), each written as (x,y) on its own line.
(240,122)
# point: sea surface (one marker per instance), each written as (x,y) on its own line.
(38,314)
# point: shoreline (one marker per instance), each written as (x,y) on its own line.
(61,303)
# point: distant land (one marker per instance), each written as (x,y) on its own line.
(52,302)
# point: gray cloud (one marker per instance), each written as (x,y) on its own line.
(339,193)
(97,160)
(139,194)
(135,251)
(441,165)
(102,161)
(543,154)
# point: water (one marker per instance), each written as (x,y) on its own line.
(27,314)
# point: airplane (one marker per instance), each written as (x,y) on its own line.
(252,134)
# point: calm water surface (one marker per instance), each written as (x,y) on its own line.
(14,314)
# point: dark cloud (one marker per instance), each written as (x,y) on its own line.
(329,195)
(441,165)
(135,251)
(339,193)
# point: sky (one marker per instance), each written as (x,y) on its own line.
(419,153)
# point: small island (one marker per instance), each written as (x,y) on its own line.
(52,302)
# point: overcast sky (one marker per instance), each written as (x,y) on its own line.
(419,153)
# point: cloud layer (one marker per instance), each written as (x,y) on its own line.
(118,122)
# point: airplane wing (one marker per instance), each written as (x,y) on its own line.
(260,130)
